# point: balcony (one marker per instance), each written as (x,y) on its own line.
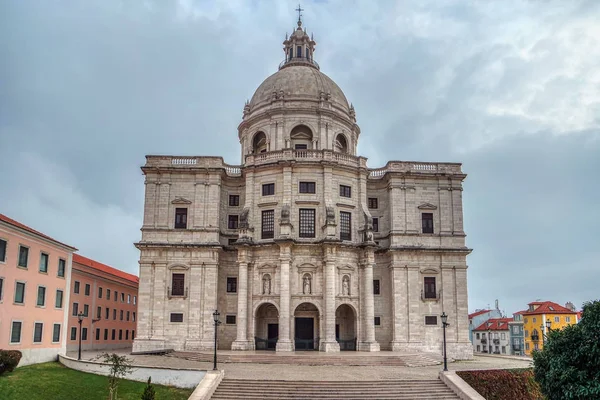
(535,338)
(484,341)
(177,293)
(516,347)
(430,296)
(299,61)
(496,341)
(317,156)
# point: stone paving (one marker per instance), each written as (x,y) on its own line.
(321,373)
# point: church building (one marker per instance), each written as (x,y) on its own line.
(302,246)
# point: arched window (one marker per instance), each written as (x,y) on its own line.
(259,143)
(340,144)
(301,137)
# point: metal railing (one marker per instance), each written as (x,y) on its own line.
(299,61)
(347,345)
(170,293)
(535,338)
(265,344)
(496,341)
(484,341)
(306,344)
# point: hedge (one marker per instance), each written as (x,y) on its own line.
(503,384)
(9,359)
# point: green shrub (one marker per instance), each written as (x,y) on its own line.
(500,384)
(9,359)
(149,391)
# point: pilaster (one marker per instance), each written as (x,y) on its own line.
(400,326)
(368,342)
(284,342)
(329,343)
(241,342)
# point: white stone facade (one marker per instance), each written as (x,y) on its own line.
(311,285)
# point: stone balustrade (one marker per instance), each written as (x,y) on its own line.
(192,162)
(305,155)
(415,167)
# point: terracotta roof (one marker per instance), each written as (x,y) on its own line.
(548,307)
(17,224)
(521,312)
(476,313)
(494,324)
(105,268)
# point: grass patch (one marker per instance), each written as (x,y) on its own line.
(504,384)
(53,381)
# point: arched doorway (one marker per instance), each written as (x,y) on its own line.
(306,327)
(259,143)
(345,327)
(266,327)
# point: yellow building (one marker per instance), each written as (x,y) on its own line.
(540,316)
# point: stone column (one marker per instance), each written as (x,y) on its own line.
(368,305)
(329,344)
(399,306)
(241,342)
(284,342)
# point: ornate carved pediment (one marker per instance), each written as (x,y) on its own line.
(345,268)
(427,206)
(429,271)
(181,200)
(306,268)
(179,267)
(264,268)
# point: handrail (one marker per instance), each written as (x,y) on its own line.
(299,60)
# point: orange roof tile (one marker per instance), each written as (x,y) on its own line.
(494,324)
(17,224)
(104,268)
(476,313)
(548,307)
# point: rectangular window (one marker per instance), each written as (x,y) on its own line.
(373,203)
(230,319)
(430,320)
(233,221)
(268,189)
(97,333)
(2,250)
(128,299)
(106,334)
(41,296)
(132,334)
(100,292)
(534,320)
(180,218)
(86,310)
(121,315)
(503,349)
(376,286)
(300,146)
(127,334)
(567,319)
(99,313)
(429,287)
(120,334)
(20,293)
(427,222)
(234,200)
(107,294)
(178,285)
(73,333)
(345,191)
(84,334)
(23,256)
(503,336)
(307,187)
(231,285)
(116,295)
(113,334)
(61,267)
(268,224)
(536,346)
(114,314)
(56,333)
(478,348)
(307,223)
(375,224)
(75,309)
(477,335)
(377,321)
(299,51)
(122,297)
(107,313)
(133,316)
(15,332)
(87,289)
(76,287)
(176,317)
(556,319)
(134,300)
(345,225)
(128,315)
(1,288)
(44,262)
(526,346)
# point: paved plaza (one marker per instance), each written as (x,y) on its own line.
(322,373)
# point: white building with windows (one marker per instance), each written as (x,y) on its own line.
(302,246)
(493,336)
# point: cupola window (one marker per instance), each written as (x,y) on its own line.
(299,51)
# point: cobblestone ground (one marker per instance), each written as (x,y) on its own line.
(321,373)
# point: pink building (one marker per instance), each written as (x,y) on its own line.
(34,281)
(107,297)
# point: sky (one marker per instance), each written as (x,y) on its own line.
(509,88)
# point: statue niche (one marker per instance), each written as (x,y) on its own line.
(346,285)
(266,284)
(307,284)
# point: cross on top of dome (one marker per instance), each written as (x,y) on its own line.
(299,9)
(299,47)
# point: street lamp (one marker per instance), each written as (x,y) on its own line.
(445,323)
(80,317)
(217,322)
(548,324)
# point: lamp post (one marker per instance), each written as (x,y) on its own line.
(217,322)
(445,323)
(545,335)
(80,320)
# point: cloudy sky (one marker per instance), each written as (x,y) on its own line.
(509,88)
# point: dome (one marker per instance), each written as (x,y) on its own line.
(298,82)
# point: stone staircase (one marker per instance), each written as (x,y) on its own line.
(355,390)
(317,358)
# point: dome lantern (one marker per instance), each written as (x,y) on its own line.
(299,47)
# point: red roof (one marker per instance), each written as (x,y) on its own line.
(17,224)
(476,313)
(105,268)
(548,307)
(521,312)
(494,324)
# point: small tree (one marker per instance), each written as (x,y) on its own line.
(148,391)
(568,367)
(120,366)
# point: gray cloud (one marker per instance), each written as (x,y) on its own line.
(509,88)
